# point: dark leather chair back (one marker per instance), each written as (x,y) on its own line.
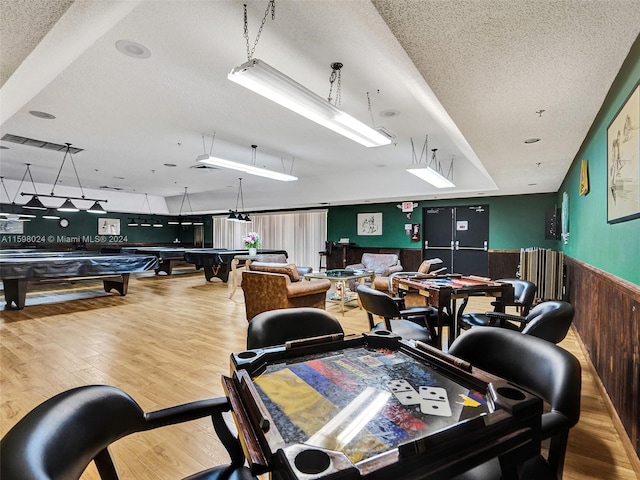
(524,293)
(60,437)
(276,327)
(539,366)
(550,320)
(400,322)
(377,303)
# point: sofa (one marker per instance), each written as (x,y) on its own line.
(268,286)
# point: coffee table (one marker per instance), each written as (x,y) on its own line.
(341,277)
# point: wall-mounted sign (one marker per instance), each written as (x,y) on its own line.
(462,225)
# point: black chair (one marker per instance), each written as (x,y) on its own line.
(544,369)
(59,438)
(328,248)
(276,327)
(524,293)
(413,323)
(549,320)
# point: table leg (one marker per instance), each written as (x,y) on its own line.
(344,294)
(234,280)
(15,291)
(121,284)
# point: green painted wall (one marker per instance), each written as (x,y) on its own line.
(514,222)
(83,228)
(614,248)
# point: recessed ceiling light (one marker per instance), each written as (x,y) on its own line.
(532,140)
(133,49)
(45,115)
(389,113)
(170,165)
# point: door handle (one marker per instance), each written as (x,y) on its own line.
(457,244)
(486,245)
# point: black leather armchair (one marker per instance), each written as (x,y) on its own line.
(276,327)
(412,323)
(549,320)
(541,367)
(60,437)
(524,293)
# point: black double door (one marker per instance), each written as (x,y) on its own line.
(459,236)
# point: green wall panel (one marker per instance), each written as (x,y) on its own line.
(83,228)
(614,248)
(514,222)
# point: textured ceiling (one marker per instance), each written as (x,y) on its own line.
(469,74)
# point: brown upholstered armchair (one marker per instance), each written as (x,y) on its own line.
(268,286)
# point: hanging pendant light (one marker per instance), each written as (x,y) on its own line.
(51,214)
(236,215)
(185,221)
(68,205)
(35,203)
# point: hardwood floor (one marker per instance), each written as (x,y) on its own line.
(168,342)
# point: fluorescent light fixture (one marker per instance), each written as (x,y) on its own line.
(68,206)
(157,224)
(96,208)
(265,80)
(34,204)
(51,214)
(243,167)
(429,175)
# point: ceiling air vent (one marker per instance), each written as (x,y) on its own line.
(32,142)
(108,187)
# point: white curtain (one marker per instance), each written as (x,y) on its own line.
(301,234)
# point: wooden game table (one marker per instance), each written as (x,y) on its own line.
(375,406)
(443,291)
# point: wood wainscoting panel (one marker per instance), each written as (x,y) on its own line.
(607,320)
(503,263)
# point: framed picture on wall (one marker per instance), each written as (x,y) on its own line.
(108,226)
(11,226)
(369,223)
(623,162)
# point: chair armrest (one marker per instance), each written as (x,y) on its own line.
(393,269)
(302,271)
(310,287)
(502,318)
(186,412)
(213,407)
(355,266)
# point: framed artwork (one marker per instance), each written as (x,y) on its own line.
(623,164)
(369,223)
(108,226)
(11,226)
(565,218)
